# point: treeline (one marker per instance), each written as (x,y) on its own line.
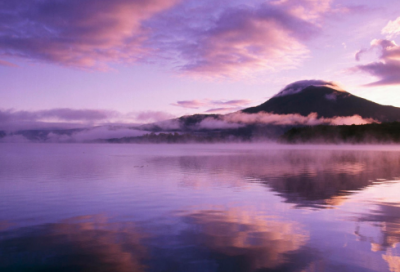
(354,134)
(178,138)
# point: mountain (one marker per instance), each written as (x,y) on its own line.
(327,100)
(299,98)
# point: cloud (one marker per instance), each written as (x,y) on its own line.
(306,9)
(98,133)
(387,69)
(392,29)
(238,119)
(298,86)
(75,135)
(76,33)
(153,116)
(223,110)
(209,38)
(62,114)
(214,106)
(191,104)
(70,118)
(6,63)
(237,39)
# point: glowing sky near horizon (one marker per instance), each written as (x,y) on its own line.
(153,59)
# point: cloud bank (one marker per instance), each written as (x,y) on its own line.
(217,38)
(74,118)
(240,119)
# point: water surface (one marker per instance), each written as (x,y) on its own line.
(99,207)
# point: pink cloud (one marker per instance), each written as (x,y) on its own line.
(6,63)
(62,114)
(191,104)
(392,29)
(306,9)
(153,116)
(292,119)
(88,33)
(223,110)
(387,69)
(238,40)
(70,118)
(207,103)
(208,38)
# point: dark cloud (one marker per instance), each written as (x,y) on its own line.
(387,69)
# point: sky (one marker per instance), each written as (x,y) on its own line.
(147,60)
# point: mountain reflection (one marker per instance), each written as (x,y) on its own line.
(88,245)
(313,178)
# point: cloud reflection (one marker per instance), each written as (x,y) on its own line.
(81,244)
(238,235)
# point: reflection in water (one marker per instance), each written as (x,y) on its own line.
(316,178)
(248,241)
(215,209)
(393,262)
(385,217)
(81,244)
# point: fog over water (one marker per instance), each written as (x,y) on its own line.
(199,207)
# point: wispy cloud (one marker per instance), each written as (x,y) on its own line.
(88,33)
(392,29)
(387,69)
(214,106)
(231,39)
(152,116)
(209,38)
(298,86)
(67,118)
(239,119)
(64,114)
(7,63)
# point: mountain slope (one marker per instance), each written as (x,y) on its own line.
(326,102)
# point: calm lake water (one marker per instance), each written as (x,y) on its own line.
(99,207)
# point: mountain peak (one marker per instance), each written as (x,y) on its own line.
(327,100)
(298,86)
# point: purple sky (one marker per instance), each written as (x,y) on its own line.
(147,60)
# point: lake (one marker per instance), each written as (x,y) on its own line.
(200,207)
